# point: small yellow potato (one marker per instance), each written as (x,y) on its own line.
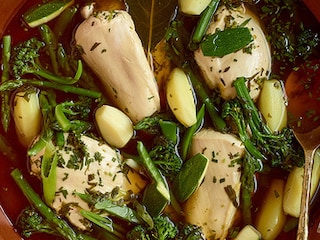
(248,233)
(293,188)
(272,105)
(193,7)
(115,127)
(27,116)
(271,217)
(180,97)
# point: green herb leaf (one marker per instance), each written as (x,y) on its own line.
(225,42)
(121,211)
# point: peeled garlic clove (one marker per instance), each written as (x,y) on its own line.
(114,126)
(27,116)
(272,105)
(193,7)
(180,97)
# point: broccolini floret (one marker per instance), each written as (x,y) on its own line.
(165,156)
(26,60)
(276,149)
(164,152)
(74,115)
(163,229)
(189,232)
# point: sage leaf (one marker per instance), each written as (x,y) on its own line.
(225,42)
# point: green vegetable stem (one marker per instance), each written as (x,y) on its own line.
(154,172)
(11,85)
(5,106)
(203,23)
(25,60)
(51,45)
(187,137)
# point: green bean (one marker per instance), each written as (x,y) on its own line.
(63,60)
(51,45)
(204,21)
(217,121)
(187,137)
(64,20)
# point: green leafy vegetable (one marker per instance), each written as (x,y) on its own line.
(225,42)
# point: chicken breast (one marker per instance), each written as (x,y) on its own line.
(113,50)
(254,61)
(210,206)
(86,164)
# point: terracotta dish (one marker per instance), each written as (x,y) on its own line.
(8,9)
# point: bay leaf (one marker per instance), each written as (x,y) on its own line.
(151,24)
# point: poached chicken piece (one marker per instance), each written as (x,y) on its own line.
(253,61)
(211,207)
(86,163)
(113,50)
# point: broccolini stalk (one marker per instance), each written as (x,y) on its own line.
(164,153)
(279,149)
(5,106)
(25,60)
(71,115)
(11,85)
(262,146)
(234,110)
(55,222)
(247,187)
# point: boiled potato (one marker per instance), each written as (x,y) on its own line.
(27,116)
(293,188)
(193,7)
(271,217)
(272,105)
(114,126)
(180,97)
